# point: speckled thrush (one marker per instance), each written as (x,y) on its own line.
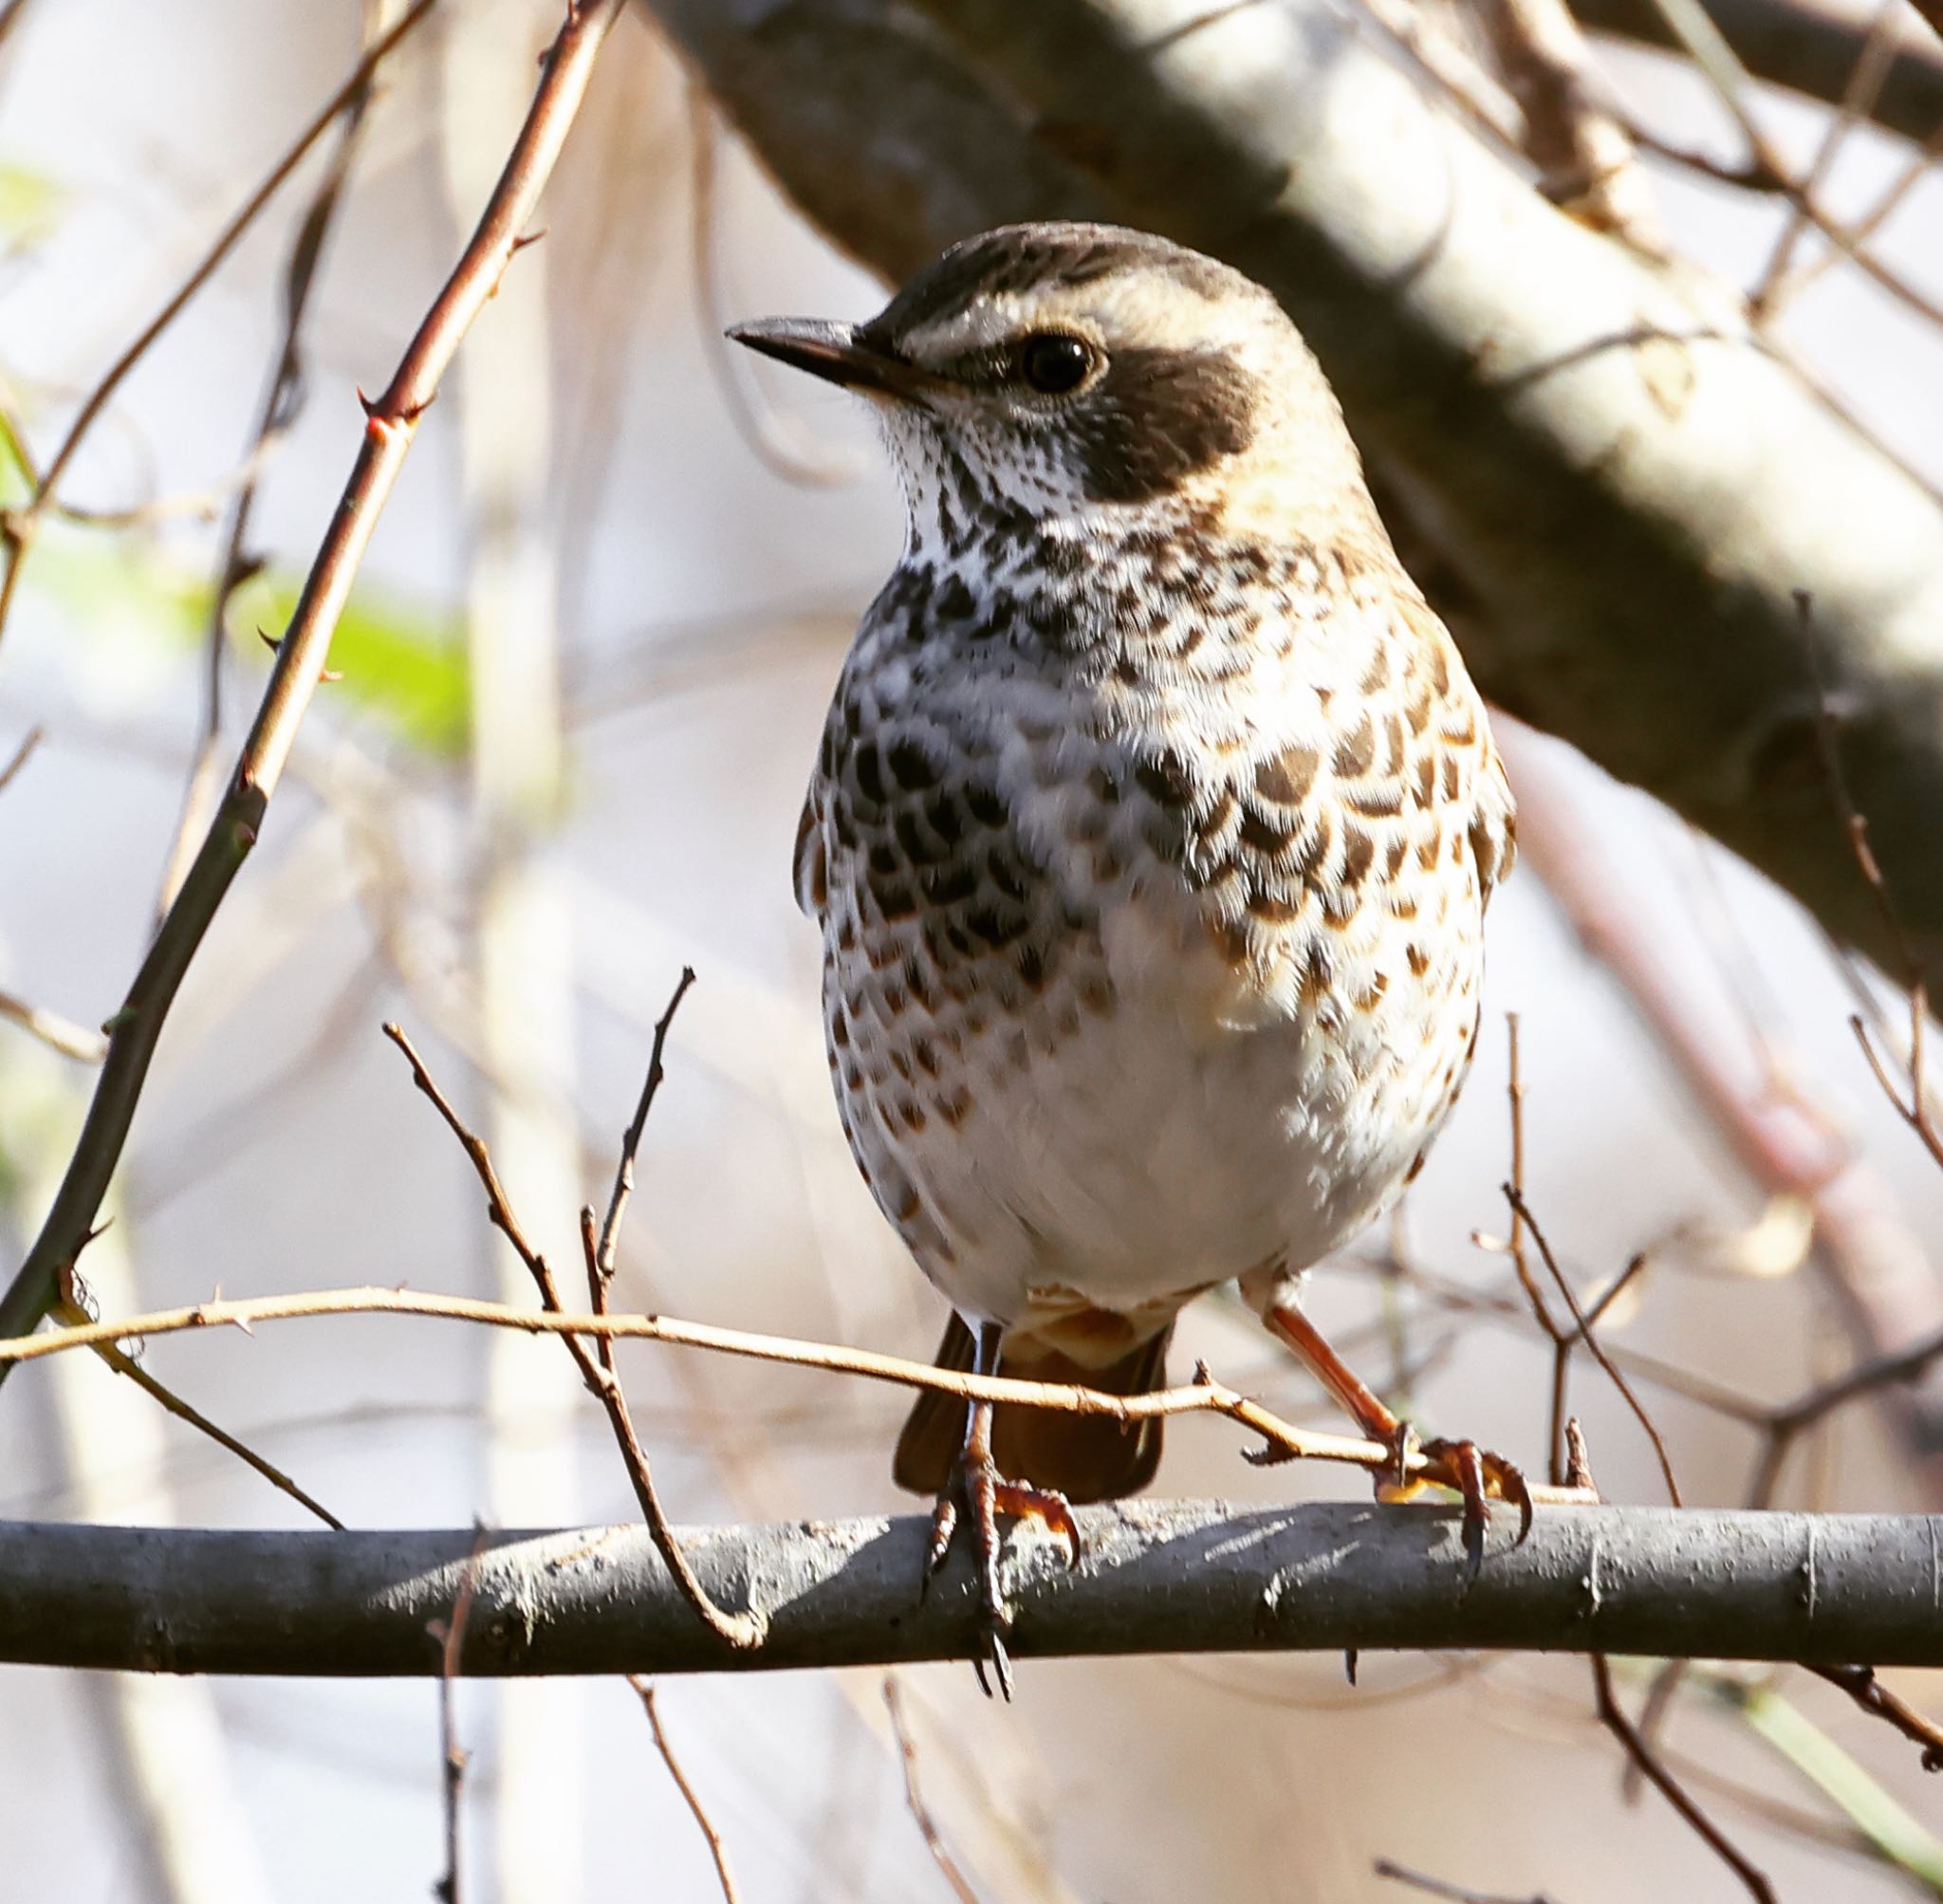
(1151,839)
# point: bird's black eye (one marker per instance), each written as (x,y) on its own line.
(1054,362)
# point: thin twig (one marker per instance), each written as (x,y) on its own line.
(1915,1110)
(1560,1339)
(17,528)
(1862,1248)
(1861,230)
(1669,1787)
(723,1876)
(451,1638)
(73,1307)
(21,755)
(740,1631)
(1593,1343)
(1210,1398)
(1453,1893)
(1860,1684)
(391,422)
(1877,55)
(631,1140)
(57,1033)
(927,1826)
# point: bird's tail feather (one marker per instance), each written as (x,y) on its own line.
(1086,1457)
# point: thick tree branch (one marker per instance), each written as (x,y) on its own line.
(1158,1577)
(1615,487)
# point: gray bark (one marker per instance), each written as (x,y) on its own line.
(1609,485)
(1157,1576)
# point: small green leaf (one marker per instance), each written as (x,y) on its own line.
(401,660)
(30,203)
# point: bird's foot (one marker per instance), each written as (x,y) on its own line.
(978,1494)
(1474,1473)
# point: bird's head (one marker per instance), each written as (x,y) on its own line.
(1073,370)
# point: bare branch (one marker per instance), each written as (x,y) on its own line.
(1860,1684)
(1155,1577)
(1205,1396)
(72,1307)
(1592,1342)
(603,1259)
(58,1034)
(736,1629)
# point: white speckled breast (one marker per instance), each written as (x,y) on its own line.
(1151,863)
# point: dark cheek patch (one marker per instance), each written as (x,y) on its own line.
(1157,417)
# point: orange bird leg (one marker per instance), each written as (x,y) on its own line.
(1472,1471)
(976,1488)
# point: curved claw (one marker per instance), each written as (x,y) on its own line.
(983,1494)
(1023,1503)
(1476,1474)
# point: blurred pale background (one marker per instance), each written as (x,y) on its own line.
(584,506)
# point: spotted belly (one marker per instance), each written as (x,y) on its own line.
(1149,1121)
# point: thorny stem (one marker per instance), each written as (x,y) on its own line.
(391,422)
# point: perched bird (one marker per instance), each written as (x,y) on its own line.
(1151,838)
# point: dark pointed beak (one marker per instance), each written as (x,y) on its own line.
(836,352)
